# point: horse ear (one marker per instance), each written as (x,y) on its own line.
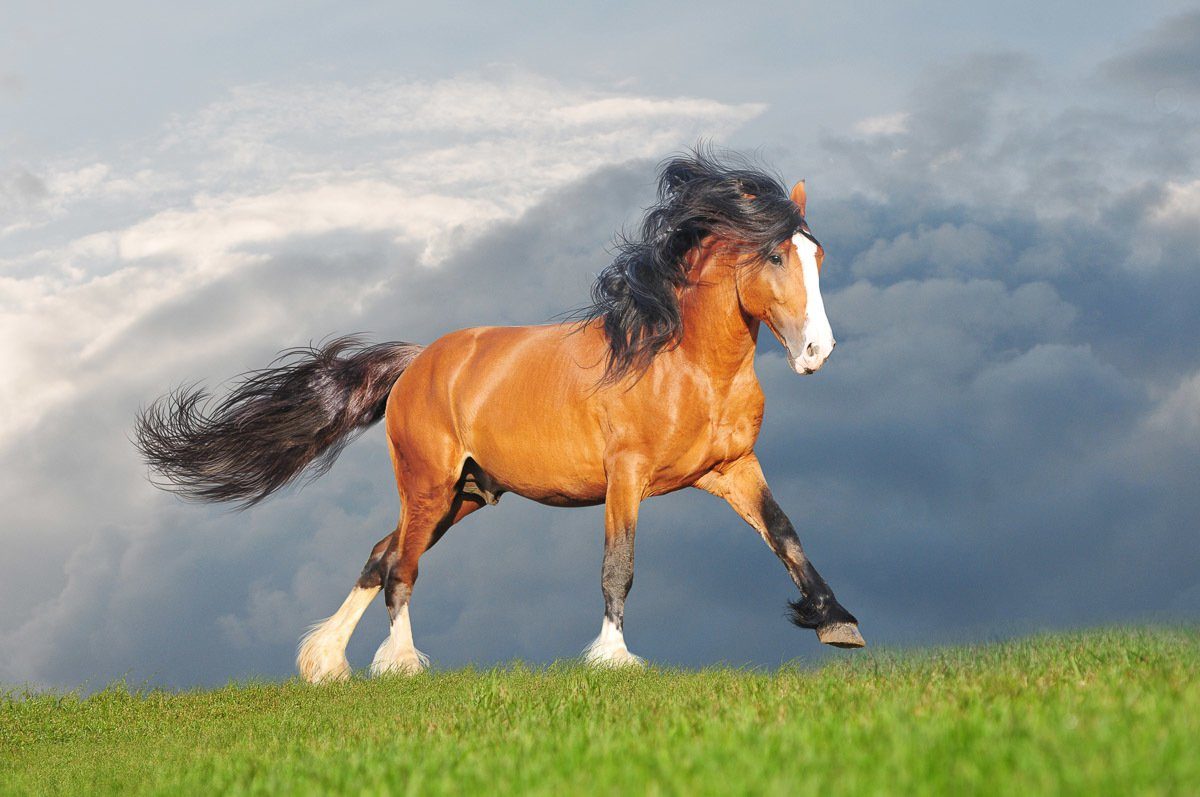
(798,196)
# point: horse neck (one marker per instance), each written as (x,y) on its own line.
(717,335)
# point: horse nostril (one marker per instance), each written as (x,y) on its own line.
(812,350)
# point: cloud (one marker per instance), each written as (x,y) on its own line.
(1003,441)
(947,249)
(176,583)
(1010,290)
(19,189)
(1166,58)
(430,164)
(885,125)
(1178,411)
(12,85)
(1179,206)
(271,218)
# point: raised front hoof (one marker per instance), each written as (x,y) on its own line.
(841,635)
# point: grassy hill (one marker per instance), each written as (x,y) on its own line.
(1114,711)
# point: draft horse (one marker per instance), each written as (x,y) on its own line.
(649,389)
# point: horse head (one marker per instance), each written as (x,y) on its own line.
(783,291)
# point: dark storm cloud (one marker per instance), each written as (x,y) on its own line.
(1167,58)
(956,107)
(187,594)
(1015,312)
(1004,440)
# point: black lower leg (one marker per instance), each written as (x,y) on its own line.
(817,605)
(373,571)
(616,575)
(396,593)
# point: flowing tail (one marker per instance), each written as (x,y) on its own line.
(294,416)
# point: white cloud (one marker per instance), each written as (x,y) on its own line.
(1178,411)
(891,124)
(105,242)
(98,252)
(1180,205)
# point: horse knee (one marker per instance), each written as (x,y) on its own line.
(372,575)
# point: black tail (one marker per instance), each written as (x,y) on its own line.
(294,416)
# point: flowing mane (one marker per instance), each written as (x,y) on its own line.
(699,194)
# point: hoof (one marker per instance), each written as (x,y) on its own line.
(610,653)
(409,666)
(320,661)
(841,635)
(336,672)
(398,661)
(613,659)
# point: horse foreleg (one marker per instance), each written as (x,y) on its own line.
(616,575)
(744,487)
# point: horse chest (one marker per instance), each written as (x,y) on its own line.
(734,426)
(705,434)
(736,431)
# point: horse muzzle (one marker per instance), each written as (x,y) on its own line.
(813,355)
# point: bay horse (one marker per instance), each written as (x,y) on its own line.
(649,389)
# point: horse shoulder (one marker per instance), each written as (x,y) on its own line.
(682,424)
(738,418)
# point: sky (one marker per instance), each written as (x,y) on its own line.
(1006,441)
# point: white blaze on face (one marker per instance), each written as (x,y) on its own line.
(816,336)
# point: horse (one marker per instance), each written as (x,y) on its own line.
(648,389)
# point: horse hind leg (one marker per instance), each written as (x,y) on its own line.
(424,523)
(321,655)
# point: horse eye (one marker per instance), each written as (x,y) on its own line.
(775,260)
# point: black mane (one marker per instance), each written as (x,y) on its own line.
(699,194)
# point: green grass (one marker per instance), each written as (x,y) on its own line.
(1102,712)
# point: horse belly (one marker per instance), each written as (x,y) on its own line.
(546,459)
(533,429)
(542,474)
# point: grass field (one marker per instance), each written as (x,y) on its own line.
(1102,712)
